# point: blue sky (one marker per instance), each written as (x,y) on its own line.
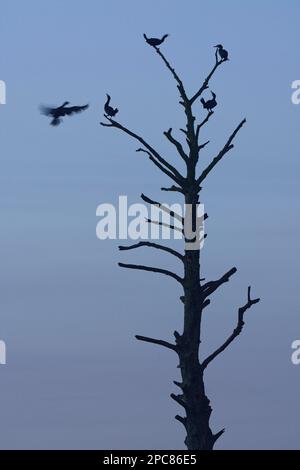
(75,376)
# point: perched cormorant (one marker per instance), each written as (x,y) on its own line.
(222,52)
(58,113)
(109,110)
(209,104)
(155,41)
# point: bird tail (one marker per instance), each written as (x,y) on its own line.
(213,94)
(116,110)
(203,101)
(164,37)
(107,101)
(145,36)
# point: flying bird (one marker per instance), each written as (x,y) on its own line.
(109,110)
(57,113)
(155,41)
(222,52)
(209,104)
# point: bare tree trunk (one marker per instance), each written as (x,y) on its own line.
(193,397)
(196,295)
(196,404)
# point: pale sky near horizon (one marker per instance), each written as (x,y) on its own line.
(75,376)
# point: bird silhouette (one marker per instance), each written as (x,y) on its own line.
(209,104)
(109,110)
(222,52)
(155,41)
(60,111)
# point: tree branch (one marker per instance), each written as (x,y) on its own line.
(174,189)
(153,245)
(209,114)
(186,102)
(177,144)
(160,342)
(181,420)
(178,399)
(163,208)
(155,154)
(201,146)
(153,270)
(212,286)
(180,85)
(161,167)
(204,86)
(236,331)
(163,224)
(218,434)
(205,303)
(228,146)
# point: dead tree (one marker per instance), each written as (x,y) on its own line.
(196,293)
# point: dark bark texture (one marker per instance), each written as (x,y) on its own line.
(191,397)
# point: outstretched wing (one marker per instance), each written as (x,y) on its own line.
(55,122)
(73,109)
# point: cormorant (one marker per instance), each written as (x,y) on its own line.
(222,52)
(109,110)
(209,104)
(155,41)
(58,113)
